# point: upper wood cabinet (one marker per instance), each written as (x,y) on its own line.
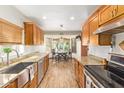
(85,34)
(120,10)
(33,34)
(10,33)
(106,14)
(93,25)
(110,12)
(100,39)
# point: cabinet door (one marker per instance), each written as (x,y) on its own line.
(42,37)
(10,34)
(35,34)
(17,36)
(33,83)
(76,71)
(85,35)
(81,76)
(39,36)
(93,25)
(106,14)
(28,28)
(120,10)
(12,84)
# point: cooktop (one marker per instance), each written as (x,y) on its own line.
(111,75)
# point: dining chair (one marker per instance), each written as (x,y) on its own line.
(53,54)
(70,54)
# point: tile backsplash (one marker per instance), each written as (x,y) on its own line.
(102,51)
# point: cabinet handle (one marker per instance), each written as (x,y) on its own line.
(116,12)
(112,14)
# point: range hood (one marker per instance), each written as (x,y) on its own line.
(112,28)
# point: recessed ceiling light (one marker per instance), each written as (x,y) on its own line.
(44,17)
(72,18)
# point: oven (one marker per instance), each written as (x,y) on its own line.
(90,81)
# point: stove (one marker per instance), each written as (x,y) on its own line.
(107,76)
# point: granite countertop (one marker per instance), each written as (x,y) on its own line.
(92,60)
(6,78)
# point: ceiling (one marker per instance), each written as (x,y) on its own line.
(50,17)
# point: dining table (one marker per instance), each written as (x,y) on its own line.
(62,55)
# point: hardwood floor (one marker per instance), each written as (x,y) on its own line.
(60,75)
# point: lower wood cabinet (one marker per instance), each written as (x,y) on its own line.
(79,74)
(12,84)
(46,63)
(33,83)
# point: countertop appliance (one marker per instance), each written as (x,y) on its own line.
(106,76)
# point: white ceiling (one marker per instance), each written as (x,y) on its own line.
(58,15)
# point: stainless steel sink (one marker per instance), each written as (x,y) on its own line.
(16,68)
(24,76)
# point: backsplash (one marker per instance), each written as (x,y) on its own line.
(22,49)
(102,51)
(119,39)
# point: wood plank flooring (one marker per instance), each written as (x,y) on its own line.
(60,75)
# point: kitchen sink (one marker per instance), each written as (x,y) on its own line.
(16,68)
(25,76)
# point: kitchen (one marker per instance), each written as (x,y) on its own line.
(89,45)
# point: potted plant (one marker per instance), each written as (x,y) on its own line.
(7,51)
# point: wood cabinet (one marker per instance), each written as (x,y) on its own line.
(76,70)
(12,84)
(46,63)
(106,14)
(33,34)
(100,39)
(84,50)
(79,74)
(33,83)
(10,33)
(93,25)
(110,12)
(120,10)
(85,35)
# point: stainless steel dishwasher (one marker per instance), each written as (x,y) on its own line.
(40,70)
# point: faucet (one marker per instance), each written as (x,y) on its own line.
(16,52)
(8,55)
